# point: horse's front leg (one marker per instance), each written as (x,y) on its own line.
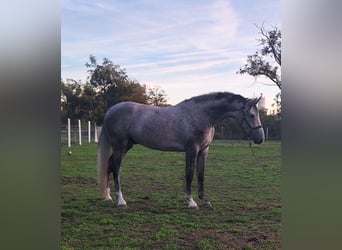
(201,160)
(191,156)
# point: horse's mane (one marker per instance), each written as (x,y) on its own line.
(217,96)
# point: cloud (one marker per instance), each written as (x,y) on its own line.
(147,27)
(151,37)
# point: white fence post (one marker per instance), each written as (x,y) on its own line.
(95,134)
(79,132)
(89,135)
(69,134)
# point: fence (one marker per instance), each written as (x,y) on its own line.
(235,132)
(79,134)
(224,133)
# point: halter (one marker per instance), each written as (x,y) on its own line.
(244,119)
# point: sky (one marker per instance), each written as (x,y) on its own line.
(187,48)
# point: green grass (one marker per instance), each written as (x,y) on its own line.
(244,190)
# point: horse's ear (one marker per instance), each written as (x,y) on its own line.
(258,99)
(252,102)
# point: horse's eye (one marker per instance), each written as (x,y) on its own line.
(252,116)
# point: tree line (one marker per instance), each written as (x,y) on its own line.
(108,85)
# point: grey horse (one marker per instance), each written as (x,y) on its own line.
(186,127)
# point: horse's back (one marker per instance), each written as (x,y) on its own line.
(151,126)
(132,111)
(125,115)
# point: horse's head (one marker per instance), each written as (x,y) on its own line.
(250,121)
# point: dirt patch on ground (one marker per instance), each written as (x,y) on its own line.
(263,207)
(77,180)
(230,239)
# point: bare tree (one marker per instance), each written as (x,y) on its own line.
(267,60)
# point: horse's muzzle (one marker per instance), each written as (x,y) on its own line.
(258,136)
(258,140)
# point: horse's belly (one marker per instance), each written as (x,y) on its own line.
(159,141)
(163,146)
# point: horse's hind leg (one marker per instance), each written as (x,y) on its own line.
(116,169)
(108,197)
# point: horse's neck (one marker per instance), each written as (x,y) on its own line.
(219,111)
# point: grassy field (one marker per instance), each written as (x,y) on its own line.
(243,187)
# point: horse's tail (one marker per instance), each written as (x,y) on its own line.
(103,160)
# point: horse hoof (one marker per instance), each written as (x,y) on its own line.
(207,204)
(108,200)
(122,205)
(194,207)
